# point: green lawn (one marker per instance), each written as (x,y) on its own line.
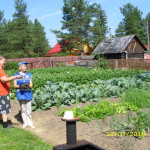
(19,139)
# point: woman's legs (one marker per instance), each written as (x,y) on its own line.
(4,116)
(5,108)
(26,113)
(5,121)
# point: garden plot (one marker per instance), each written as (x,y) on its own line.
(50,128)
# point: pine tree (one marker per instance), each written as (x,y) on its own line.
(19,37)
(99,28)
(3,35)
(147,28)
(82,23)
(41,43)
(132,22)
(2,20)
(76,20)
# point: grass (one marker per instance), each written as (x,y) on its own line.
(19,139)
(137,97)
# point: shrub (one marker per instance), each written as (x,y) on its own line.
(11,65)
(102,63)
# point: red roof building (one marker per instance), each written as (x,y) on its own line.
(54,50)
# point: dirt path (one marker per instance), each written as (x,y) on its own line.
(50,128)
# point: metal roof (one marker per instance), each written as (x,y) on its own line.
(115,45)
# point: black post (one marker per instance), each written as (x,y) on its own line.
(72,143)
(71,132)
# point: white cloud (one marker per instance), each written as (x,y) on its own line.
(49,15)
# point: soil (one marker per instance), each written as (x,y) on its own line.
(52,129)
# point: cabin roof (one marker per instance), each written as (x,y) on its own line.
(116,45)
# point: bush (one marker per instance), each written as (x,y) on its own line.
(11,65)
(102,63)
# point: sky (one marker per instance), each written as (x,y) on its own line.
(49,12)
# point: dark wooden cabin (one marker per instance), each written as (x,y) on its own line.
(126,47)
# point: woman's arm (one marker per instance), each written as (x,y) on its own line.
(24,86)
(31,84)
(15,85)
(5,79)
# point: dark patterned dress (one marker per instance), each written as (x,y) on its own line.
(5,107)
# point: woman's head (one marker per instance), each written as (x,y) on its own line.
(2,61)
(22,66)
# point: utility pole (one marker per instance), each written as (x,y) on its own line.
(148,34)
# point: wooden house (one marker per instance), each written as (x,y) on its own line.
(126,47)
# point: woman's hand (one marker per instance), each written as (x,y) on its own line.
(18,77)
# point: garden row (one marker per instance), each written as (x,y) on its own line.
(73,75)
(66,93)
(78,75)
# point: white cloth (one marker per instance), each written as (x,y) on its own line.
(26,112)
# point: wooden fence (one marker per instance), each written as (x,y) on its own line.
(143,64)
(43,62)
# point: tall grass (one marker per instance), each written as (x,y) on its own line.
(137,97)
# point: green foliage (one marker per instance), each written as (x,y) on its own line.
(60,64)
(136,125)
(102,63)
(21,140)
(79,76)
(41,102)
(18,29)
(65,53)
(132,23)
(129,125)
(20,37)
(2,20)
(144,77)
(137,97)
(83,22)
(99,28)
(11,65)
(147,26)
(100,110)
(41,43)
(142,121)
(3,36)
(19,54)
(68,93)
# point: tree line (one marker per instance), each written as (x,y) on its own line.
(21,37)
(82,22)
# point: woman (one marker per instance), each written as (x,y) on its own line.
(5,107)
(24,94)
